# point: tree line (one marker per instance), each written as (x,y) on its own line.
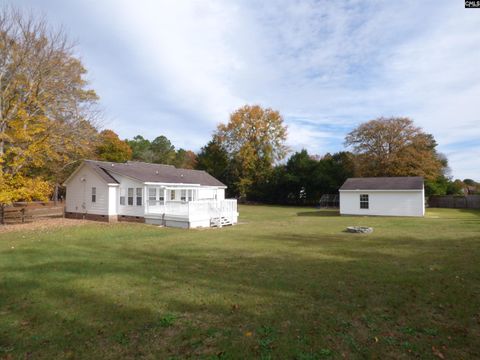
(49,122)
(249,155)
(379,147)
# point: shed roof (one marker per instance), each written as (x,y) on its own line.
(147,172)
(384,183)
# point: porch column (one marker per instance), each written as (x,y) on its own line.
(145,200)
(164,199)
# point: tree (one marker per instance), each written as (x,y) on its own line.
(185,159)
(469,182)
(160,150)
(472,186)
(140,148)
(332,171)
(254,140)
(163,152)
(305,178)
(213,158)
(298,183)
(46,111)
(75,145)
(395,147)
(111,148)
(444,185)
(437,186)
(455,187)
(16,187)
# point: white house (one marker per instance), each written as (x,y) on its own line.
(387,196)
(151,193)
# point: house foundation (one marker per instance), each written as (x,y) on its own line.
(129,218)
(95,217)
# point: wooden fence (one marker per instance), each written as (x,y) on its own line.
(455,201)
(28,212)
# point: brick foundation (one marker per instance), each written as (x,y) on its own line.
(94,217)
(105,218)
(138,219)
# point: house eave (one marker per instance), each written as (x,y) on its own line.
(170,184)
(379,190)
(72,175)
(183,184)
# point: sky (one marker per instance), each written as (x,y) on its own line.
(178,68)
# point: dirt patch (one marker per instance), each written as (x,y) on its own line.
(46,224)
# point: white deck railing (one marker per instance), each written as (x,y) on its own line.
(194,210)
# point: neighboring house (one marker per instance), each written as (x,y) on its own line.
(387,196)
(469,190)
(151,193)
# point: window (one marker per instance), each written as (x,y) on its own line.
(139,196)
(190,195)
(94,194)
(364,201)
(152,195)
(122,196)
(172,194)
(183,195)
(160,195)
(130,196)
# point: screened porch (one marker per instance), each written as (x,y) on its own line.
(190,203)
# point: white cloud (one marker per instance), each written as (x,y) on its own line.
(309,137)
(465,163)
(183,46)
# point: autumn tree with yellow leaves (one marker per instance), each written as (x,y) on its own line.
(111,148)
(254,140)
(395,147)
(46,111)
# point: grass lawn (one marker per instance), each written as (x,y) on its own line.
(287,283)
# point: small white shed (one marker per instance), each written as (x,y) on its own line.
(383,196)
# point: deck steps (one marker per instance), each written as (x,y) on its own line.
(220,221)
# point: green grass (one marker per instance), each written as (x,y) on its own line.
(287,283)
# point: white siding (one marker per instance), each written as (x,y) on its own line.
(387,203)
(206,193)
(130,210)
(79,193)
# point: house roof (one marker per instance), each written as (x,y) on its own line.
(146,172)
(384,183)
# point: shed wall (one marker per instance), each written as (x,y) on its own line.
(384,203)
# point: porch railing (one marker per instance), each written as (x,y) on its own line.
(195,210)
(208,209)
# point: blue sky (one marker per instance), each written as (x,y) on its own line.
(178,68)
